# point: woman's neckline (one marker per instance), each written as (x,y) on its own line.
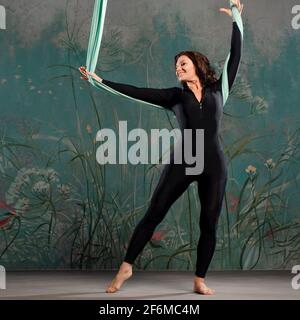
(202,93)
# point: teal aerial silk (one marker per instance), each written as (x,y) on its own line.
(96,33)
(94,44)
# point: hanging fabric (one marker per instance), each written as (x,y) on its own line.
(95,39)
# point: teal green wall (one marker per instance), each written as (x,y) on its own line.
(70,212)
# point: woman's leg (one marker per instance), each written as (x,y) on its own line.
(211,188)
(172,183)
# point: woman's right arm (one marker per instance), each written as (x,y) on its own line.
(162,97)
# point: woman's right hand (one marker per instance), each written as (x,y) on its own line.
(85,74)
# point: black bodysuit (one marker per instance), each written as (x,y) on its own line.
(191,114)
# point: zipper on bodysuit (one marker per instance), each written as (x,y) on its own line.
(200,103)
(202,98)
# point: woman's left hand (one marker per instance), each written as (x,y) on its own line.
(235,2)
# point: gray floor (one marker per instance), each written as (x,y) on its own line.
(150,285)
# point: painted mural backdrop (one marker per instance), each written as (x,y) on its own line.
(60,209)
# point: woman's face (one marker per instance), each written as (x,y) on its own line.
(185,69)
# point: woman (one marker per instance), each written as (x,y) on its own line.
(198,105)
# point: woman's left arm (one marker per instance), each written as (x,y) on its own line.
(232,62)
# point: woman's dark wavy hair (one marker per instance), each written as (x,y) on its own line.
(202,65)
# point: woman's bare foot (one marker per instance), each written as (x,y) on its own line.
(200,287)
(124,273)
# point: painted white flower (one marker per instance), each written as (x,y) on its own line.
(251,170)
(24,179)
(270,164)
(41,187)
